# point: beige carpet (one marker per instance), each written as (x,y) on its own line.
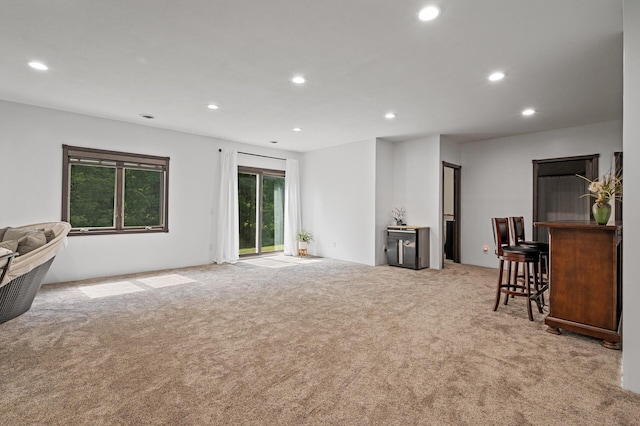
(288,343)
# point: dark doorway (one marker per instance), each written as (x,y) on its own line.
(558,192)
(451,177)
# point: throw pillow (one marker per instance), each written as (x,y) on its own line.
(28,239)
(13,234)
(2,231)
(9,245)
(30,242)
(49,235)
(17,233)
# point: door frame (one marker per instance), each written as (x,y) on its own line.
(619,171)
(590,174)
(261,173)
(457,186)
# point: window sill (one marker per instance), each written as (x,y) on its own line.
(78,232)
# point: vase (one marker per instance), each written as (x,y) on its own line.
(601,212)
(399,222)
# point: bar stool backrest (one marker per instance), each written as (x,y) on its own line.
(500,227)
(518,229)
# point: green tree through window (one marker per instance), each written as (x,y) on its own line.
(107,191)
(142,197)
(92,196)
(261,210)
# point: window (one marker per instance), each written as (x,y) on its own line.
(261,207)
(107,192)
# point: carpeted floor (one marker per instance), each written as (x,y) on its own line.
(300,341)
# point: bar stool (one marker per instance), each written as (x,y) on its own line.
(529,257)
(517,223)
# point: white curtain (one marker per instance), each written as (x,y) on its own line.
(292,213)
(278,215)
(228,223)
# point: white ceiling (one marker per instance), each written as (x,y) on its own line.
(362,58)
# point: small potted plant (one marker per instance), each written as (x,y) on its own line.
(304,237)
(398,214)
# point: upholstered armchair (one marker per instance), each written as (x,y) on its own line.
(26,253)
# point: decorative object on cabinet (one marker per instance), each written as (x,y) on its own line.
(408,246)
(398,214)
(604,189)
(601,212)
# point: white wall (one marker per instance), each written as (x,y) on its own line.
(384,197)
(450,151)
(338,201)
(497,178)
(631,205)
(32,187)
(417,187)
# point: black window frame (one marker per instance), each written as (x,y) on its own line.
(123,160)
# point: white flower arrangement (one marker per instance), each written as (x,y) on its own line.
(604,189)
(398,213)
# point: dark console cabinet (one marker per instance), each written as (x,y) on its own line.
(408,246)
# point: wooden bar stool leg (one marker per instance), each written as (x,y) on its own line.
(546,273)
(509,265)
(541,280)
(495,308)
(527,285)
(537,281)
(515,278)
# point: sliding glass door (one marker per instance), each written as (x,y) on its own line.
(261,209)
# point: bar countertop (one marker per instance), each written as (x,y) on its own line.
(577,224)
(405,227)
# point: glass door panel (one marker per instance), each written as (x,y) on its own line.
(248,211)
(272,213)
(261,210)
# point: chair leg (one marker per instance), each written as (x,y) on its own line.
(506,296)
(501,268)
(527,285)
(544,261)
(537,284)
(515,278)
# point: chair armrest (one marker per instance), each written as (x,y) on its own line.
(9,256)
(5,261)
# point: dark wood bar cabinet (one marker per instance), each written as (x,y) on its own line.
(585,279)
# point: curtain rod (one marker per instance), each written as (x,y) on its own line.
(257,155)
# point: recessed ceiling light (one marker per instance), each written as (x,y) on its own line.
(38,66)
(274,141)
(390,115)
(496,76)
(528,111)
(298,79)
(297,129)
(147,116)
(212,106)
(428,13)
